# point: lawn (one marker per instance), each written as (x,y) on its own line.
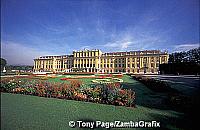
(32,112)
(86,81)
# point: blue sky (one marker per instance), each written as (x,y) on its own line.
(30,28)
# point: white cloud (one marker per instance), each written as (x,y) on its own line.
(117,45)
(18,54)
(86,47)
(109,44)
(185,47)
(125,44)
(121,42)
(129,41)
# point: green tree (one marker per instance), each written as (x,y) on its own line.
(3,63)
(192,55)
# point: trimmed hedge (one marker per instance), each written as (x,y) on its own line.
(155,84)
(175,99)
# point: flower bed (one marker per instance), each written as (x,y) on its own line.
(76,77)
(97,76)
(107,80)
(111,93)
(78,73)
(109,75)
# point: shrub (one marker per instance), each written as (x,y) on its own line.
(155,84)
(75,84)
(8,84)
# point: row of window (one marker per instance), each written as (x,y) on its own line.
(85,54)
(129,71)
(104,60)
(84,65)
(102,65)
(84,60)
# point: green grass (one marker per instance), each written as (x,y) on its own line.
(145,96)
(22,112)
(86,81)
(31,112)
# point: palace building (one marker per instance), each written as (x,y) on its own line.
(138,62)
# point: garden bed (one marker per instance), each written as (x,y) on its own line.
(96,76)
(111,93)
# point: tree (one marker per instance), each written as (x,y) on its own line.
(192,55)
(3,64)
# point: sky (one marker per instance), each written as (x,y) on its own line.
(33,28)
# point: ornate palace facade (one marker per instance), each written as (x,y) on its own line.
(95,61)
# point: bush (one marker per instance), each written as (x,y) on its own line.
(155,84)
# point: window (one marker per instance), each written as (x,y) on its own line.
(157,59)
(152,59)
(145,59)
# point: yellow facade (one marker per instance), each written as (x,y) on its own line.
(96,61)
